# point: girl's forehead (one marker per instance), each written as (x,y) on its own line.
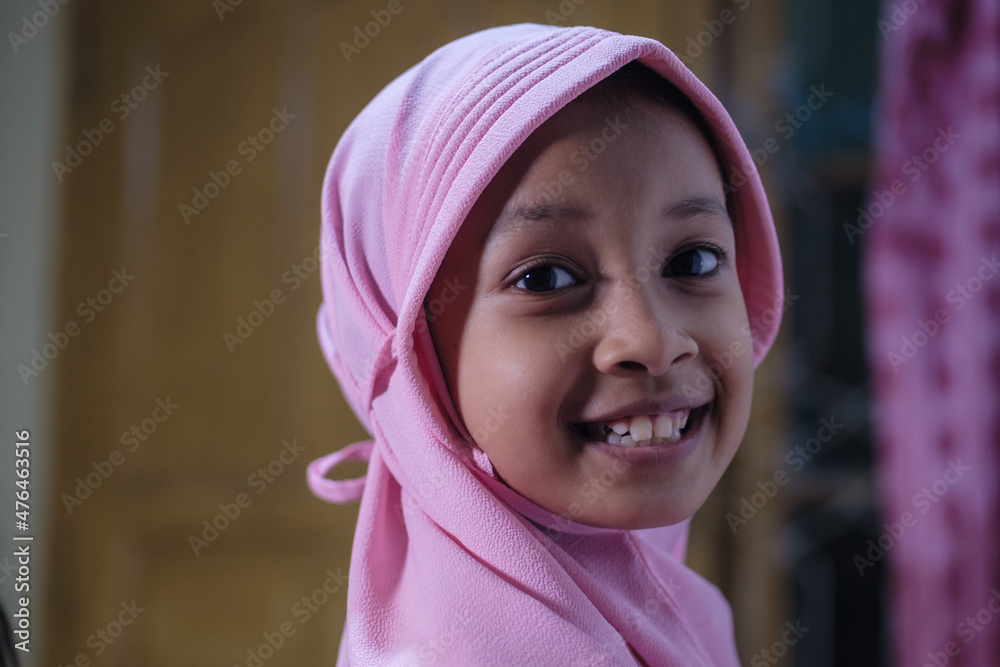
(583,136)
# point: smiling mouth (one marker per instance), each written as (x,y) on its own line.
(644,430)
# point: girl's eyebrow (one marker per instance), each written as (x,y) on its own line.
(512,219)
(515,218)
(694,206)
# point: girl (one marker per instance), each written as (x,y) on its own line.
(542,249)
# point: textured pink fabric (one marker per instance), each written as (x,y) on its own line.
(934,333)
(450,566)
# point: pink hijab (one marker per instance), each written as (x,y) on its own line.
(450,566)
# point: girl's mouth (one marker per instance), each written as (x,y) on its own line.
(644,430)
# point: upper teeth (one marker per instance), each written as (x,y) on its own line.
(639,431)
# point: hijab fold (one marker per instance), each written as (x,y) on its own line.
(449,565)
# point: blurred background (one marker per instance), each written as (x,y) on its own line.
(160,184)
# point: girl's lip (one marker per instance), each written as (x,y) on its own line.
(664,453)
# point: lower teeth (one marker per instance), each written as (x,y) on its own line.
(627,441)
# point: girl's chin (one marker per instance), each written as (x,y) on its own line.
(634,518)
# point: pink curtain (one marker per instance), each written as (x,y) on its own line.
(932,235)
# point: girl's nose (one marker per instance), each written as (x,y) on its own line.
(640,336)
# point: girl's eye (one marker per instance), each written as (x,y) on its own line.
(545,279)
(700,261)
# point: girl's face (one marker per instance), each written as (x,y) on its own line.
(592,290)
